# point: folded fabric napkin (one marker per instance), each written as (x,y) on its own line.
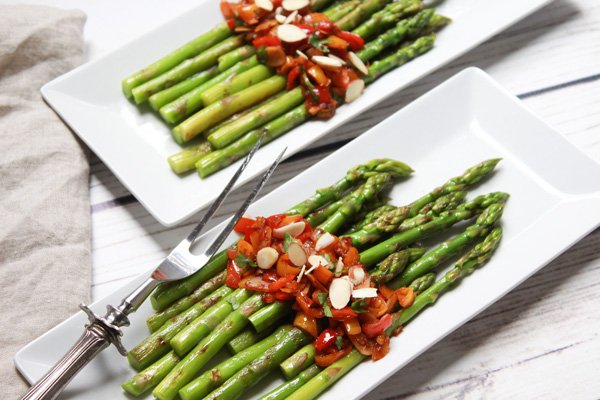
(44,201)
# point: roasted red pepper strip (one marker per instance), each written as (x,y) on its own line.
(243,225)
(377,328)
(233,276)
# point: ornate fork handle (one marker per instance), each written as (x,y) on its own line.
(98,335)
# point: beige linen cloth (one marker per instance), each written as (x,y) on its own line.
(44,202)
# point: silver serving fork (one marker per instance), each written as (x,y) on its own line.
(180,263)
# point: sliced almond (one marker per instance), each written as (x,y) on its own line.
(354,90)
(337,58)
(340,292)
(294,229)
(293,5)
(301,54)
(357,275)
(264,4)
(292,17)
(327,62)
(358,64)
(266,257)
(290,33)
(296,254)
(364,293)
(316,260)
(325,240)
(339,266)
(280,18)
(301,273)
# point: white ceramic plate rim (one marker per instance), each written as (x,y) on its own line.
(106,126)
(576,211)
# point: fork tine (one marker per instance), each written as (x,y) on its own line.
(216,244)
(219,201)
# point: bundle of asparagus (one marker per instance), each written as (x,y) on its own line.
(200,315)
(221,98)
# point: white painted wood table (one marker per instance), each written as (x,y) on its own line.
(541,341)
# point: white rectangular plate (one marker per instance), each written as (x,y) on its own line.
(467,119)
(134,143)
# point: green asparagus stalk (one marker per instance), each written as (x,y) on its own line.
(470,177)
(338,11)
(200,327)
(400,57)
(166,294)
(372,187)
(370,217)
(264,318)
(157,344)
(226,156)
(155,321)
(327,377)
(319,216)
(386,18)
(391,221)
(216,112)
(185,160)
(394,264)
(228,60)
(185,371)
(406,28)
(318,5)
(238,83)
(283,391)
(191,101)
(449,201)
(159,99)
(187,68)
(478,256)
(395,220)
(360,13)
(378,252)
(423,283)
(260,367)
(190,49)
(353,176)
(151,376)
(213,378)
(436,24)
(451,248)
(269,111)
(246,339)
(298,361)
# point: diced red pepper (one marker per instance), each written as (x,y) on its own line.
(233,276)
(268,40)
(243,225)
(293,77)
(355,41)
(324,360)
(344,314)
(325,340)
(305,305)
(335,42)
(274,221)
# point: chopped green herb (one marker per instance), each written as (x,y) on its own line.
(339,342)
(359,306)
(322,297)
(243,261)
(327,310)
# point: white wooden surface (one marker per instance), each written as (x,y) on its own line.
(542,340)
